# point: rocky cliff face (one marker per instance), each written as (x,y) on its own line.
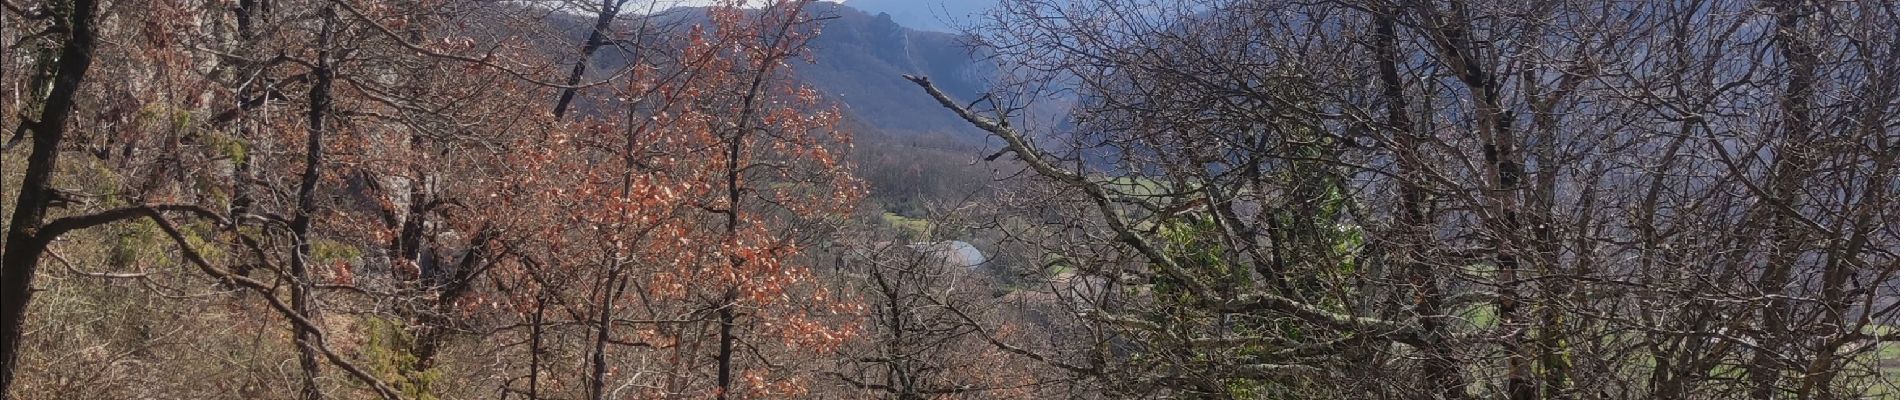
(928,15)
(861,60)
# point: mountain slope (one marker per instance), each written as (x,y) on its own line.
(927,15)
(859,60)
(860,63)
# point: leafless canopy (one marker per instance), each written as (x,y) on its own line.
(1464,199)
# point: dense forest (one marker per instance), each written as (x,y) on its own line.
(1089,199)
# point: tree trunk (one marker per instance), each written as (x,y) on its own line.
(597,382)
(1791,162)
(734,150)
(1441,368)
(23,246)
(535,332)
(322,78)
(725,349)
(609,9)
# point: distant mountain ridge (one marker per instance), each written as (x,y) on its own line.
(860,63)
(928,15)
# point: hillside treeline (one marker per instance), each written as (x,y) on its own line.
(1221,199)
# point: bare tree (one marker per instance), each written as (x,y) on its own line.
(1465,209)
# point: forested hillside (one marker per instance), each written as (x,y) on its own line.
(1088,199)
